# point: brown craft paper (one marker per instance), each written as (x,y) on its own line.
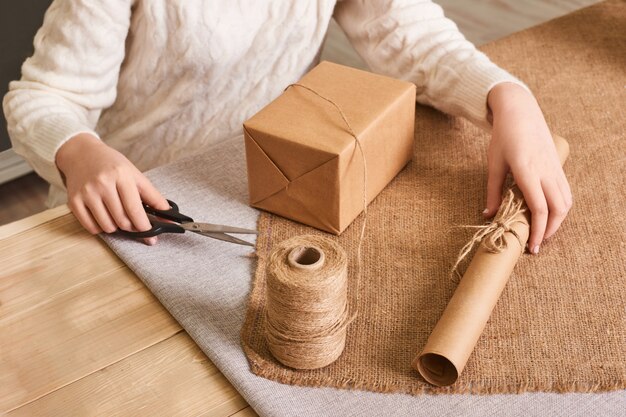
(559,325)
(303,162)
(454,337)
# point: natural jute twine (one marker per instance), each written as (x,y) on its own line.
(360,146)
(307,308)
(307,302)
(491,235)
(559,325)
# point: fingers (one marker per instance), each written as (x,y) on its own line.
(84,216)
(86,219)
(495,181)
(106,189)
(133,206)
(549,201)
(92,215)
(129,195)
(150,241)
(556,207)
(536,201)
(559,202)
(107,208)
(101,214)
(116,209)
(150,195)
(121,213)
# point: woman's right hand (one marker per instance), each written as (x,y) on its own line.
(105,190)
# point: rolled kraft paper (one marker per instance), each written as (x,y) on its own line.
(307,305)
(454,337)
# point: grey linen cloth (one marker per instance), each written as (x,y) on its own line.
(204,283)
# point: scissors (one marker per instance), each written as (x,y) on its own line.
(183,223)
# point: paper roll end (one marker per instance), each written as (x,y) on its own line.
(436,369)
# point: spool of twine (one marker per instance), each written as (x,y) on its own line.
(307,306)
(307,311)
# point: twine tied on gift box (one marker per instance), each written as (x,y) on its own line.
(360,146)
(307,311)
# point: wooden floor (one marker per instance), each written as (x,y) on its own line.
(481,21)
(22,198)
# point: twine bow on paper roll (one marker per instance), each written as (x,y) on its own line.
(454,337)
(491,235)
(307,304)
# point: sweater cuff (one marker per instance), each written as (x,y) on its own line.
(47,136)
(472,91)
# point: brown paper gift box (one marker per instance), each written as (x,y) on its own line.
(303,162)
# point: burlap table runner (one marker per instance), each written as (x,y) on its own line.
(560,324)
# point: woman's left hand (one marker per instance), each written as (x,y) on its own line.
(521,143)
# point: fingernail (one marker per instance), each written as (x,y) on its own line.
(151,241)
(535,249)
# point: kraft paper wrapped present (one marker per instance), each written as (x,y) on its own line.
(303,161)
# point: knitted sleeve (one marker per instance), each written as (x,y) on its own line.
(414,41)
(70,78)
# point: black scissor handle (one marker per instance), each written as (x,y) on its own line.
(170,214)
(157,228)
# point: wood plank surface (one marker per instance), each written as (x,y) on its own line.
(81,335)
(246,412)
(96,314)
(37,272)
(170,378)
(27,223)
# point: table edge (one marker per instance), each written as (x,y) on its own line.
(30,222)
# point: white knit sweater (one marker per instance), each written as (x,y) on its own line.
(162,79)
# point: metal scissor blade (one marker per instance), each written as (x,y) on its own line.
(226,238)
(216,228)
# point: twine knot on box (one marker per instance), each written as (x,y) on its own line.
(491,235)
(359,145)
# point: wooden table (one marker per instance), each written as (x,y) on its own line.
(81,335)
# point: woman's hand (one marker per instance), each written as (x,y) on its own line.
(521,143)
(105,190)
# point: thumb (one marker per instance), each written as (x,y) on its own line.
(495,180)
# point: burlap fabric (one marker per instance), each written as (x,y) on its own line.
(560,324)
